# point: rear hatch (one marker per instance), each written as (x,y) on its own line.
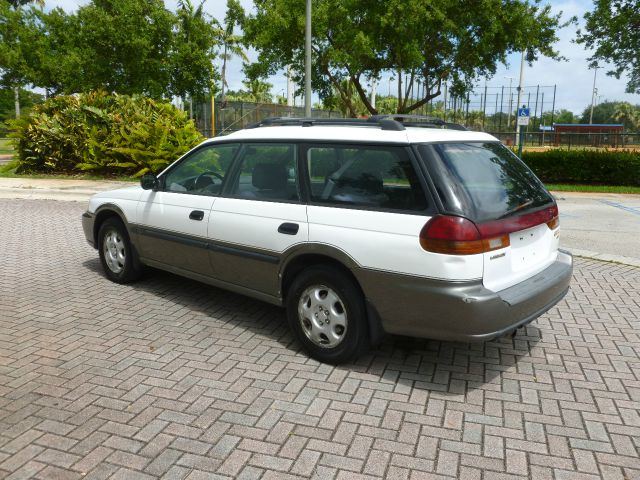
(487,184)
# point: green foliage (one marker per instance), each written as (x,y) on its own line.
(7,104)
(614,112)
(106,134)
(192,56)
(431,41)
(123,46)
(613,30)
(595,167)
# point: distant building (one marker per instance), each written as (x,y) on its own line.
(594,134)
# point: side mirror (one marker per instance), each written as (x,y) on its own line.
(149,182)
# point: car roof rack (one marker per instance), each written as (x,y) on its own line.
(418,121)
(395,122)
(383,123)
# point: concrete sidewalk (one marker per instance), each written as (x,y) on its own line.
(53,189)
(602,226)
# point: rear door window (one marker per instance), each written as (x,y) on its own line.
(267,172)
(483,181)
(364,176)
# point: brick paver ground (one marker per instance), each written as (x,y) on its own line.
(169,378)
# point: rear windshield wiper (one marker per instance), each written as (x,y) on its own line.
(519,207)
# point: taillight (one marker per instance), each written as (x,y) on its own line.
(458,236)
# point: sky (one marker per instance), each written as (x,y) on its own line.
(573,78)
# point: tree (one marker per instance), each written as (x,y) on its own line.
(192,53)
(613,30)
(433,41)
(614,112)
(628,115)
(565,116)
(257,90)
(231,43)
(17,34)
(123,47)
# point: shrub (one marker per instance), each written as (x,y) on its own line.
(594,167)
(107,134)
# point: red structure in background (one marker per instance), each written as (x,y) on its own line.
(595,134)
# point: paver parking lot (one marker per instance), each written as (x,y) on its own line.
(174,379)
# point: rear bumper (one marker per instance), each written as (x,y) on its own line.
(464,311)
(88,220)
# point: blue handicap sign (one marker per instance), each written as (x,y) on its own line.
(523,112)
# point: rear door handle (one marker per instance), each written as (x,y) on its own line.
(196,215)
(289,228)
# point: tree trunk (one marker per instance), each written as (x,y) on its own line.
(16,96)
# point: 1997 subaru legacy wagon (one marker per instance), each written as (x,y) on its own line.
(357,227)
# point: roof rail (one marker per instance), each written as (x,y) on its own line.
(418,121)
(383,123)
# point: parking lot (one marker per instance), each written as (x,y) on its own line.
(169,378)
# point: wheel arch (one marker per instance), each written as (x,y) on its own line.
(319,254)
(105,211)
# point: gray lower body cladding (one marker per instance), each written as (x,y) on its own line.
(88,220)
(464,311)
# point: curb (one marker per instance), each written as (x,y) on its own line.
(604,257)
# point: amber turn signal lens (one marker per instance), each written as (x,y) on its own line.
(553,223)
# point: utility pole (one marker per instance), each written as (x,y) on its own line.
(510,104)
(593,94)
(520,86)
(307,63)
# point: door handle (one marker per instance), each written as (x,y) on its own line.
(196,215)
(289,228)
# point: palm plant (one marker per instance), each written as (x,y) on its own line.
(231,43)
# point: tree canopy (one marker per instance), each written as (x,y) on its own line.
(613,31)
(614,112)
(123,46)
(431,41)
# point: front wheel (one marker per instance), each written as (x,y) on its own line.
(116,254)
(326,311)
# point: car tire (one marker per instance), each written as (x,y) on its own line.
(327,314)
(116,252)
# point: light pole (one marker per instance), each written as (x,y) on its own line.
(594,92)
(307,63)
(520,85)
(510,103)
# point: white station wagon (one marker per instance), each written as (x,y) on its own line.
(357,227)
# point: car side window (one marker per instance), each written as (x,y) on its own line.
(267,172)
(365,176)
(203,171)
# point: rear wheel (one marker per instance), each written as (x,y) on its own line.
(326,311)
(116,254)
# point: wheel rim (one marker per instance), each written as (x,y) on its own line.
(322,316)
(114,251)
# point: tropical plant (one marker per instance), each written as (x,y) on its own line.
(106,134)
(193,52)
(231,43)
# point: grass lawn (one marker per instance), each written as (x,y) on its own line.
(591,188)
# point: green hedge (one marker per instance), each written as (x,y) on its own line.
(591,167)
(101,133)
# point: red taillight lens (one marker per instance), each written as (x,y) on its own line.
(458,236)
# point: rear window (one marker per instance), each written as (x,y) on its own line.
(483,181)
